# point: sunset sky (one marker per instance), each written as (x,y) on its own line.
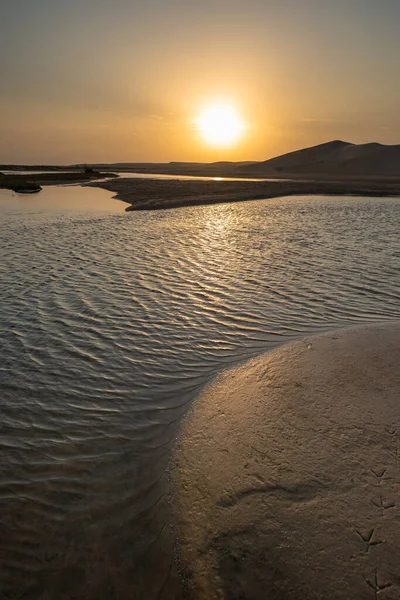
(102,81)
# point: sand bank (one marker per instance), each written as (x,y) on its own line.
(287,474)
(23,181)
(153,194)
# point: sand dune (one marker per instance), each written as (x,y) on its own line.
(334,158)
(307,156)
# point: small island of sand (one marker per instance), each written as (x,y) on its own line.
(333,168)
(287,478)
(154,194)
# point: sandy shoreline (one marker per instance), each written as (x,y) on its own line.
(286,474)
(21,180)
(154,194)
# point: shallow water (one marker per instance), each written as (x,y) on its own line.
(112,322)
(133,174)
(129,175)
(57,202)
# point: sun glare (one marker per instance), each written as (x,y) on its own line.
(219,124)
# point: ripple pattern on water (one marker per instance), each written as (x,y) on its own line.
(110,324)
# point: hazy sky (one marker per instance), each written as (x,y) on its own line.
(123,80)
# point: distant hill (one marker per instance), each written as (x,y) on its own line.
(333,160)
(336,158)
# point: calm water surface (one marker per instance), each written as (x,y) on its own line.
(127,174)
(132,174)
(112,322)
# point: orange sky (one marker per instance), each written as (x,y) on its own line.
(94,81)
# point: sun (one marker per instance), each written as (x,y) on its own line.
(219,124)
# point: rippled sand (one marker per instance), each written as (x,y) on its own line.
(287,474)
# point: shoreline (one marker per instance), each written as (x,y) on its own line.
(157,194)
(288,465)
(24,182)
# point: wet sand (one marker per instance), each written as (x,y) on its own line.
(153,194)
(286,474)
(22,181)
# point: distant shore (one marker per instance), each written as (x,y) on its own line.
(16,181)
(155,194)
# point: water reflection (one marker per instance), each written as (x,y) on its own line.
(127,174)
(61,198)
(111,324)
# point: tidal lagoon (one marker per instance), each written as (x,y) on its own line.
(112,324)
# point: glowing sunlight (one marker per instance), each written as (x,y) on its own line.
(220,124)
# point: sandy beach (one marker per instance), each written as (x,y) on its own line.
(153,194)
(286,474)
